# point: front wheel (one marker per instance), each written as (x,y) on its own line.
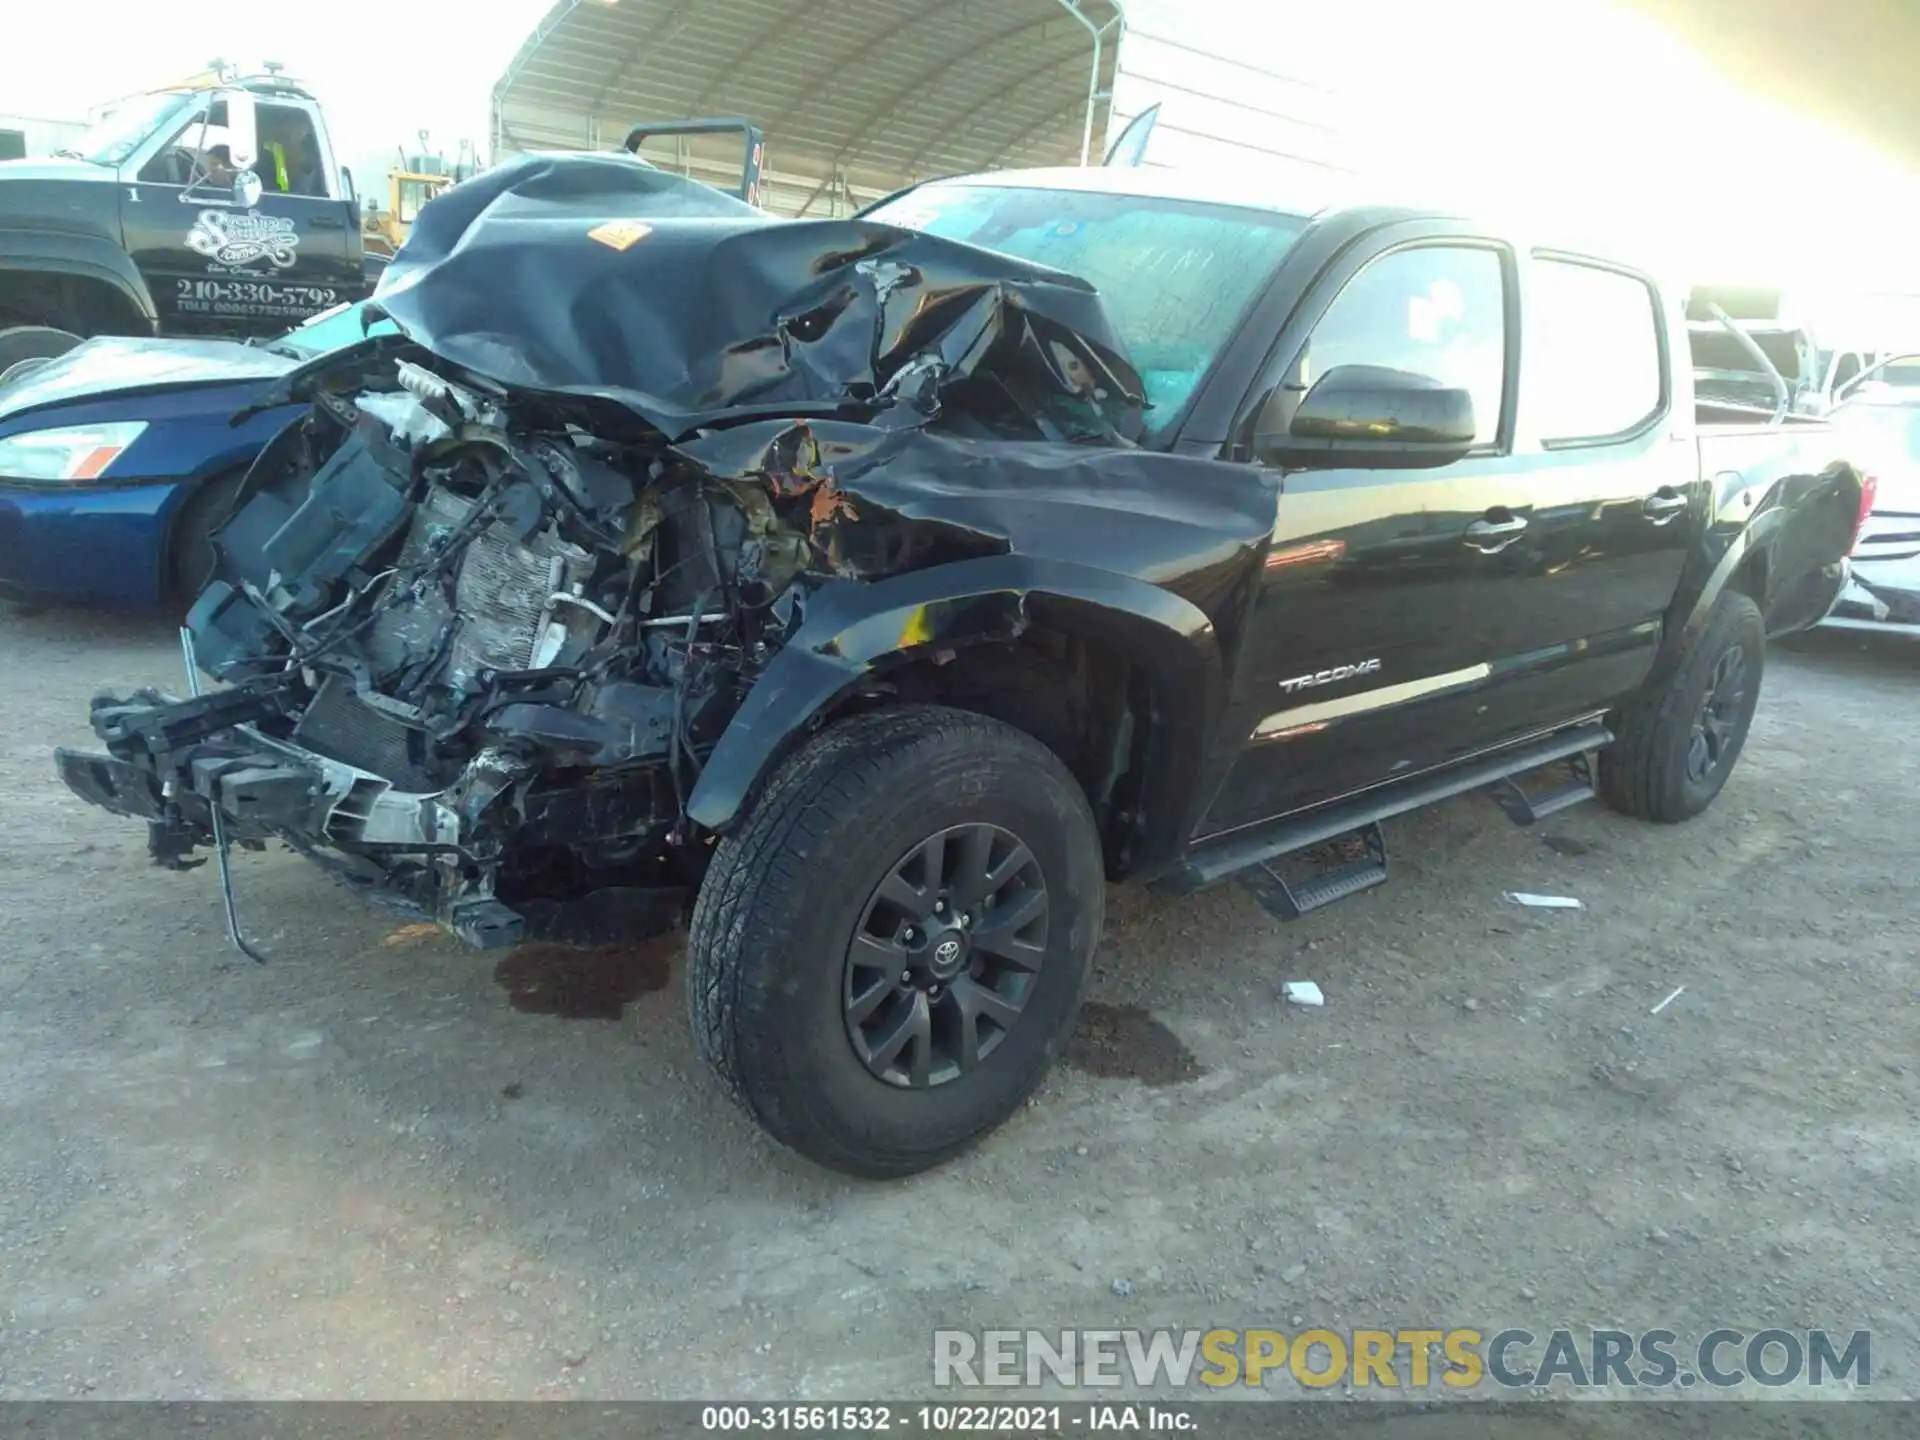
(889,952)
(1678,745)
(27,347)
(191,557)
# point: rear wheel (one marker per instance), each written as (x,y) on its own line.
(888,954)
(1677,746)
(27,347)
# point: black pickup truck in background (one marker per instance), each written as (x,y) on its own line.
(923,572)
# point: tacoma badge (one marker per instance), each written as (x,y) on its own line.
(1327,677)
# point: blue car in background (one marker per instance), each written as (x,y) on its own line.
(115,459)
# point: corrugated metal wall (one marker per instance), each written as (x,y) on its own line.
(860,96)
(856,97)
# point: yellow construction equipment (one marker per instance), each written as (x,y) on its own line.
(418,179)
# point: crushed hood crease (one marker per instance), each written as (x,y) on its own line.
(595,277)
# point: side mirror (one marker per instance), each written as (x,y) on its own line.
(243,149)
(246,190)
(1369,417)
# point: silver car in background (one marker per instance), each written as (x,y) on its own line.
(1882,421)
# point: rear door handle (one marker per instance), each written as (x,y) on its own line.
(1663,506)
(1492,535)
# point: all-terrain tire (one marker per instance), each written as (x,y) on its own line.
(1646,772)
(780,904)
(24,347)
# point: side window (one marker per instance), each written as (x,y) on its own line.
(289,152)
(1593,352)
(197,151)
(1436,310)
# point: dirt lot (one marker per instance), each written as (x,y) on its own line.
(384,1167)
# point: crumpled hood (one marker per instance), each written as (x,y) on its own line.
(595,276)
(100,367)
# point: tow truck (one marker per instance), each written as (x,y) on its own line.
(214,206)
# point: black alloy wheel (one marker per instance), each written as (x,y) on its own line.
(888,949)
(1721,717)
(946,953)
(1679,740)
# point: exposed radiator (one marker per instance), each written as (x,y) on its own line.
(341,726)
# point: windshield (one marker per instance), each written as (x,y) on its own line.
(1177,276)
(331,330)
(115,136)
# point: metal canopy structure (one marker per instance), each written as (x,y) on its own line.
(856,97)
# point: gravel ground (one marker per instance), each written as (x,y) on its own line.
(384,1167)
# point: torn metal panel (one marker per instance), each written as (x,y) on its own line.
(1883,587)
(593,277)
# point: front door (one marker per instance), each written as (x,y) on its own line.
(1357,633)
(214,266)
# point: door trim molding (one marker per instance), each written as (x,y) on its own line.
(1300,717)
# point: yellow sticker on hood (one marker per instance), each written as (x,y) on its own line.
(620,233)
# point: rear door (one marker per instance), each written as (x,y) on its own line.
(216,266)
(1609,478)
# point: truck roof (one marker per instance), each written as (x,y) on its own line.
(278,85)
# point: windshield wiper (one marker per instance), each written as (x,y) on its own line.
(69,153)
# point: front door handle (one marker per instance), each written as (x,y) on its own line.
(1663,506)
(1495,535)
(326,222)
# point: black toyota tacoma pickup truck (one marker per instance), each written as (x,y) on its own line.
(874,591)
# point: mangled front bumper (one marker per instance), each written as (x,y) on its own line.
(438,855)
(1883,589)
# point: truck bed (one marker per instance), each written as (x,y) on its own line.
(1725,417)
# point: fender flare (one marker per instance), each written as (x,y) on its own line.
(86,257)
(854,629)
(1791,501)
(1757,536)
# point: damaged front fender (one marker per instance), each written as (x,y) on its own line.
(854,633)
